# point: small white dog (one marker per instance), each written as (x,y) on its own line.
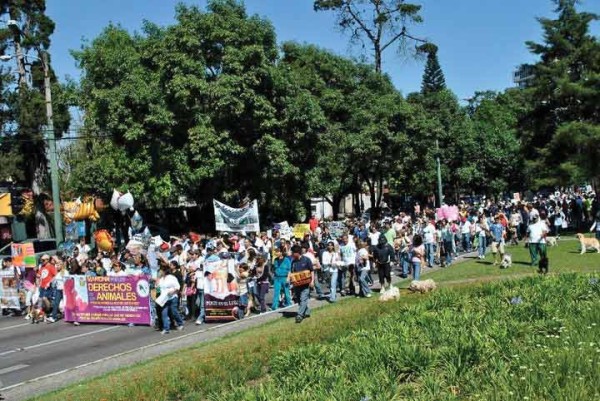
(422,286)
(551,241)
(506,261)
(389,295)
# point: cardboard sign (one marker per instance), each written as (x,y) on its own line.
(23,255)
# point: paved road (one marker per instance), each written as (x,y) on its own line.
(36,358)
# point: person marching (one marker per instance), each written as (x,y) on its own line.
(302,283)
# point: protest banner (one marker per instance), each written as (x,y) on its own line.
(112,299)
(300,229)
(220,290)
(336,228)
(236,219)
(285,231)
(9,289)
(23,255)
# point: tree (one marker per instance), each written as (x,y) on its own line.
(433,77)
(560,135)
(382,23)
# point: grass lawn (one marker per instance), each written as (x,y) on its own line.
(563,258)
(257,363)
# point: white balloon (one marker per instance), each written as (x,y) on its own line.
(125,202)
(114,200)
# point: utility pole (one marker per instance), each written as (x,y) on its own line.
(439,173)
(58,234)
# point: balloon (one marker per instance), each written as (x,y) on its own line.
(125,202)
(115,199)
(104,241)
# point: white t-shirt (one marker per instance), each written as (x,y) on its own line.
(167,283)
(428,234)
(536,232)
(363,254)
(331,260)
(466,227)
(374,237)
(348,252)
(113,273)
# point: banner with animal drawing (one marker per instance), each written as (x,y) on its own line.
(9,290)
(111,299)
(221,295)
(23,255)
(232,219)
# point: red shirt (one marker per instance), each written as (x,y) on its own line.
(313,224)
(46,275)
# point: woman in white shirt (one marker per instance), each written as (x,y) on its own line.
(169,288)
(331,261)
(59,284)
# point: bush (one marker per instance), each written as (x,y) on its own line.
(529,339)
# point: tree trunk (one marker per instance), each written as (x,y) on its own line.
(335,206)
(380,192)
(377,58)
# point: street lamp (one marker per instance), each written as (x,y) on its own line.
(58,234)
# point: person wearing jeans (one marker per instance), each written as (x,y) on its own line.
(331,262)
(301,263)
(481,231)
(429,240)
(465,232)
(363,268)
(261,271)
(58,283)
(418,251)
(170,285)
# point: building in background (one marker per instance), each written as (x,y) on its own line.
(524,75)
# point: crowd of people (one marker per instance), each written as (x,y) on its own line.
(321,262)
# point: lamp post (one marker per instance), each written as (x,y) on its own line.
(51,138)
(439,173)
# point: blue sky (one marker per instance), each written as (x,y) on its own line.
(480,41)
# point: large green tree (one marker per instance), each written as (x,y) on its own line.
(562,132)
(23,117)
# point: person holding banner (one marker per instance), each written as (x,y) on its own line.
(303,280)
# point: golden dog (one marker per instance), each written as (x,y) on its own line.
(587,243)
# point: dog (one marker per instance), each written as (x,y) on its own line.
(506,261)
(422,286)
(551,241)
(588,243)
(543,265)
(393,294)
(37,315)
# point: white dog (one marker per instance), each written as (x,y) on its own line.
(551,241)
(506,261)
(422,286)
(389,295)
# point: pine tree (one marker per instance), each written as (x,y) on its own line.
(563,131)
(433,77)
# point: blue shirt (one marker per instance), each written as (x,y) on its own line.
(497,229)
(282,267)
(302,264)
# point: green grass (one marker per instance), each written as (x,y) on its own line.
(564,258)
(261,362)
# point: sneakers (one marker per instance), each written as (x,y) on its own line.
(199,322)
(76,324)
(50,320)
(162,333)
(368,295)
(299,319)
(28,317)
(179,328)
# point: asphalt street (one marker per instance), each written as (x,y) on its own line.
(36,358)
